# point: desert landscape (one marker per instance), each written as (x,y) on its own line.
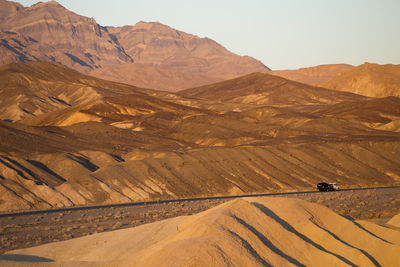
(144,145)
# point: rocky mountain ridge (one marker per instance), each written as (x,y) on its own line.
(49,32)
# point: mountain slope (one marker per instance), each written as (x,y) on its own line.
(156,44)
(49,32)
(242,232)
(313,75)
(368,79)
(76,41)
(8,8)
(149,76)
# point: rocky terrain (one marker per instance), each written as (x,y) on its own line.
(368,79)
(73,139)
(242,232)
(49,32)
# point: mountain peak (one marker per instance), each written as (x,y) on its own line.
(48,4)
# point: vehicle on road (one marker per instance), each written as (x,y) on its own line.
(327,186)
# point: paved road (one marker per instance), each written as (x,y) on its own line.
(179,200)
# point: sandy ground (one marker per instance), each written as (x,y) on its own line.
(376,205)
(256,231)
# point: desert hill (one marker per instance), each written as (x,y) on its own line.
(313,75)
(368,79)
(91,141)
(243,232)
(266,89)
(169,59)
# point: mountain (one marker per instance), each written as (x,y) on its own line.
(49,32)
(157,44)
(71,39)
(368,79)
(242,232)
(313,75)
(149,76)
(73,139)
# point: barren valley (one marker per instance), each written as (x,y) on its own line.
(145,145)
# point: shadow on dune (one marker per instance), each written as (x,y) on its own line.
(365,230)
(43,167)
(372,259)
(23,258)
(291,229)
(84,162)
(268,243)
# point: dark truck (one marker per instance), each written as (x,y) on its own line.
(327,186)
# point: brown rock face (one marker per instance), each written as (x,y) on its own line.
(368,79)
(66,37)
(313,75)
(15,47)
(170,59)
(8,8)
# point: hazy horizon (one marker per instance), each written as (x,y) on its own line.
(283,35)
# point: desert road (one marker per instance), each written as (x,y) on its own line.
(144,203)
(31,228)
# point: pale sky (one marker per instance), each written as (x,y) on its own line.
(283,34)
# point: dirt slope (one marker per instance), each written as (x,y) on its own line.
(368,79)
(251,232)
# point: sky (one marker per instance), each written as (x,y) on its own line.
(283,34)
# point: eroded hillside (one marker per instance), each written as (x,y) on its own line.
(71,139)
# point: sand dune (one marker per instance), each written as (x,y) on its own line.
(395,221)
(243,232)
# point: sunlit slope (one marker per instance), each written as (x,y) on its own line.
(313,75)
(80,140)
(244,232)
(89,177)
(368,79)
